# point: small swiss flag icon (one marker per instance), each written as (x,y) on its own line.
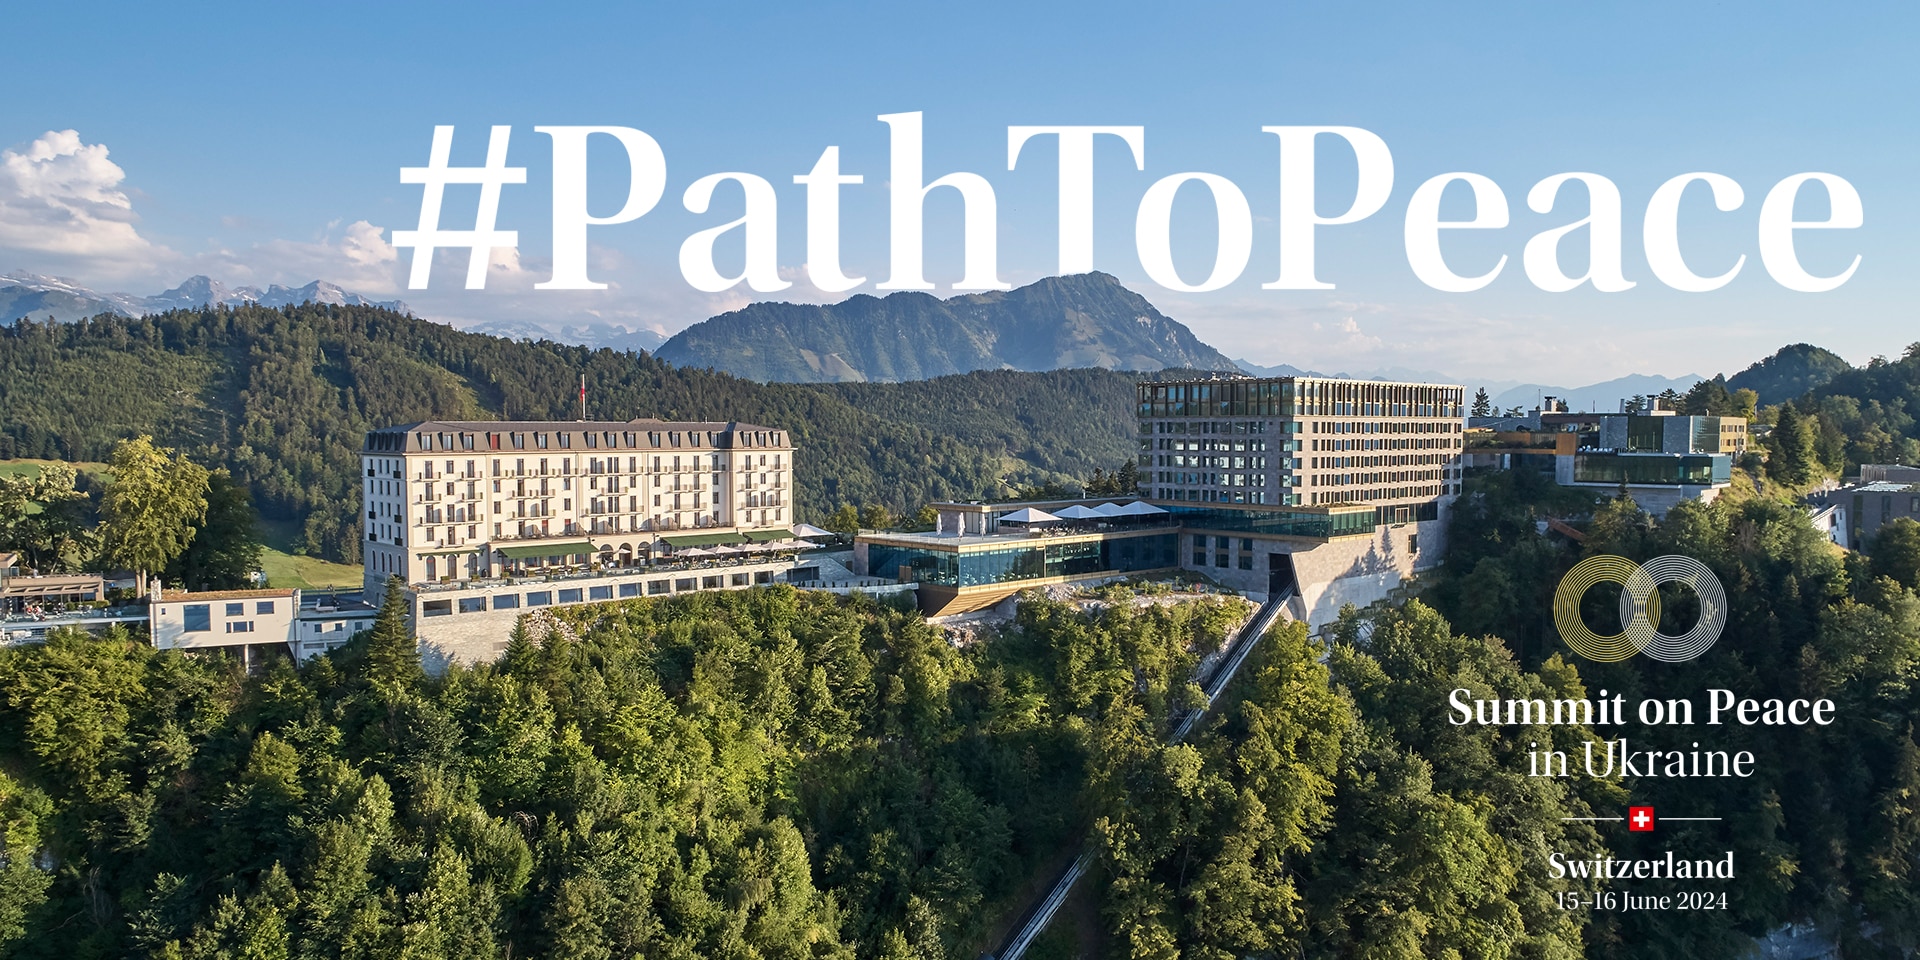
(1640,819)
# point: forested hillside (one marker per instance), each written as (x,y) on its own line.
(1791,372)
(1828,827)
(772,774)
(1867,414)
(765,773)
(1065,421)
(282,397)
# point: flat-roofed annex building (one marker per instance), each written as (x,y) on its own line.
(1302,441)
(461,500)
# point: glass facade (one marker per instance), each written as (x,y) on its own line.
(1693,469)
(1016,562)
(1278,523)
(1257,441)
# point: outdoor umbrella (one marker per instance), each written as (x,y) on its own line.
(1029,516)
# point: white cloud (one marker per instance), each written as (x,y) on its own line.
(357,257)
(61,196)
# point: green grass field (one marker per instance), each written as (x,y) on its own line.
(282,567)
(286,570)
(15,467)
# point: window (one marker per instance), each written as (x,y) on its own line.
(436,608)
(473,604)
(741,579)
(1199,558)
(263,607)
(686,583)
(198,617)
(572,595)
(539,598)
(658,587)
(236,609)
(629,590)
(1220,560)
(1246,561)
(240,626)
(710,583)
(600,593)
(506,601)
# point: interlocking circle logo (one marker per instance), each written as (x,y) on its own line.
(1640,608)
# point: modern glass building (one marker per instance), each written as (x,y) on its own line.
(1049,558)
(1302,441)
(1633,469)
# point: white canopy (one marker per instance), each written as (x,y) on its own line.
(809,530)
(1110,510)
(724,551)
(1029,515)
(1078,512)
(1139,508)
(693,552)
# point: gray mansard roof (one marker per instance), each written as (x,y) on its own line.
(478,436)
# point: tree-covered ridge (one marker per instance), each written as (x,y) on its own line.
(283,396)
(1790,373)
(765,773)
(1828,827)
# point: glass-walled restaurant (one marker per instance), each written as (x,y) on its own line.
(1657,469)
(1022,561)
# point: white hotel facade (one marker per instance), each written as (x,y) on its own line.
(464,500)
(485,521)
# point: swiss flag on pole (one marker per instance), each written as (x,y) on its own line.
(1640,819)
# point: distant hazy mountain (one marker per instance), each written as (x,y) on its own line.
(1790,373)
(32,295)
(1085,320)
(1603,397)
(612,336)
(1283,370)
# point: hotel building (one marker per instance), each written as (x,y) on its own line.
(1302,441)
(1331,491)
(486,520)
(461,500)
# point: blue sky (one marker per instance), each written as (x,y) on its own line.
(262,143)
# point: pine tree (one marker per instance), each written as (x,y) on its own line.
(393,656)
(1482,404)
(1790,447)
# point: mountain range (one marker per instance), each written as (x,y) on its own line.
(33,295)
(1084,320)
